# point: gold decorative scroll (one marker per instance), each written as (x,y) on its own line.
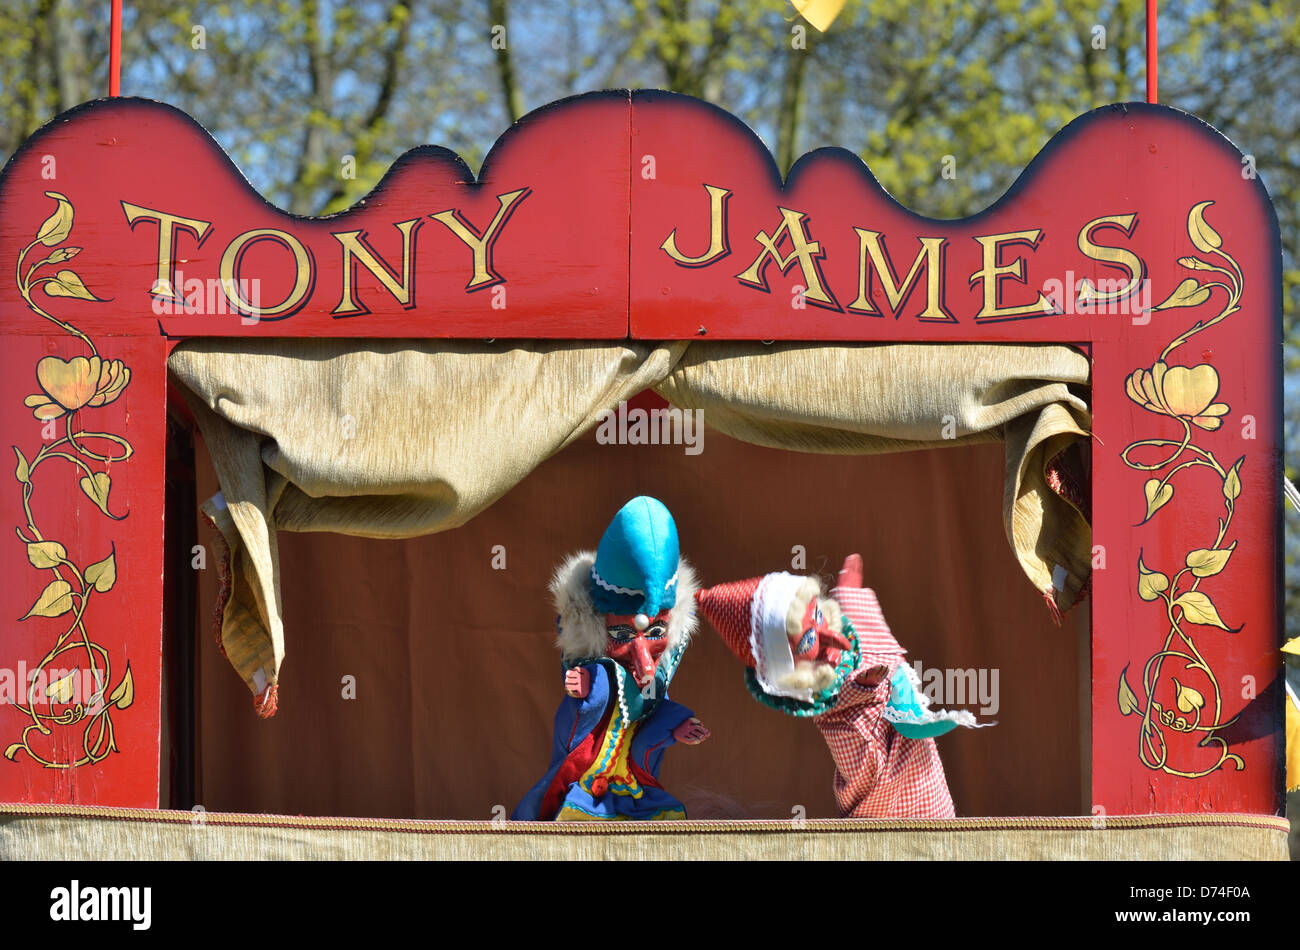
(68,389)
(1190,395)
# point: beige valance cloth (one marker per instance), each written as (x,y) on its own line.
(35,832)
(396,438)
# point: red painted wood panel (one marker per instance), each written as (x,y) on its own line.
(85,569)
(1187,461)
(585,195)
(859,246)
(555,265)
(1169,191)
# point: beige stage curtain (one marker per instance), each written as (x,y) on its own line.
(396,439)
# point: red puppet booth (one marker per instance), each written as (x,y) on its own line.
(1051,430)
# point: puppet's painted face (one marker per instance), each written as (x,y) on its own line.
(816,640)
(637,651)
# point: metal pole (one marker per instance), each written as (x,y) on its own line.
(115,49)
(1152,52)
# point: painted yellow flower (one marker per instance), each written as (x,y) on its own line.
(68,385)
(1182,392)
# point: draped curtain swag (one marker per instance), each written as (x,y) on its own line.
(393,439)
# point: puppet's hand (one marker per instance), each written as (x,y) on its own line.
(873,677)
(577,682)
(859,603)
(851,572)
(691,732)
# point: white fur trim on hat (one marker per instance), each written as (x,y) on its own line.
(582,627)
(773,660)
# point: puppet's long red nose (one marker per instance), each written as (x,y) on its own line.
(643,664)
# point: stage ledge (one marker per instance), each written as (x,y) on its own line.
(122,834)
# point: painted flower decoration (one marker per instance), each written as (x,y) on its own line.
(68,385)
(1178,391)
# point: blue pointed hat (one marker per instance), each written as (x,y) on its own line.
(636,563)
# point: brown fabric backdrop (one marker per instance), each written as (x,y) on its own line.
(457,678)
(401,438)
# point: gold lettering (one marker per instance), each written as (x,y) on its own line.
(930,256)
(1115,256)
(992,272)
(230,273)
(165,283)
(357,250)
(801,249)
(481,244)
(717,232)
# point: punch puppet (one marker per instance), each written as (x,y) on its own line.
(832,659)
(625,615)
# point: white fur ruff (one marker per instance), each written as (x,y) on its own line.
(582,626)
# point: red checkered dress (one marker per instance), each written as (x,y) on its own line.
(878,773)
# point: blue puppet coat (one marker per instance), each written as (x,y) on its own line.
(591,755)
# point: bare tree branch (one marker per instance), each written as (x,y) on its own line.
(498,14)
